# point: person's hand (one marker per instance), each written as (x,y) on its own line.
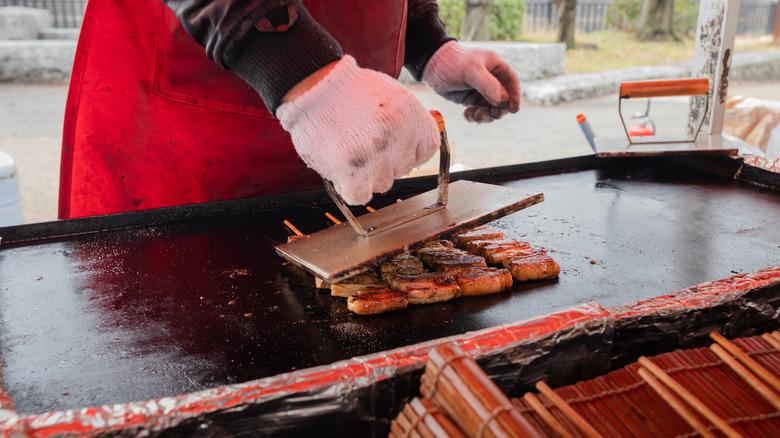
(358,128)
(477,78)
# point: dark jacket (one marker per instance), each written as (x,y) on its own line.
(274,44)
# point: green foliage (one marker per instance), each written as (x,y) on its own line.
(506,25)
(507,22)
(624,14)
(451,13)
(686,15)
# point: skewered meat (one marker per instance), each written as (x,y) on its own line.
(429,287)
(405,264)
(535,265)
(480,233)
(439,258)
(486,248)
(439,244)
(482,281)
(377,301)
(457,262)
(357,284)
(497,258)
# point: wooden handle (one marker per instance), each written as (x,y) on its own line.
(665,88)
(439,120)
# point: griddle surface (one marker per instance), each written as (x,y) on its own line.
(138,314)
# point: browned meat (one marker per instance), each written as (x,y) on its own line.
(535,265)
(429,287)
(482,281)
(497,258)
(480,233)
(429,253)
(486,248)
(456,262)
(439,244)
(405,264)
(377,301)
(357,284)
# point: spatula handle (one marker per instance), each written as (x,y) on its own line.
(665,88)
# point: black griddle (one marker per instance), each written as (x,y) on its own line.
(137,306)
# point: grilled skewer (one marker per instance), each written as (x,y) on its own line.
(536,265)
(378,301)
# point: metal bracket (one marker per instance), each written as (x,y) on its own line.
(441,202)
(664,88)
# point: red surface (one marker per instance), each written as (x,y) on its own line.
(152,122)
(640,131)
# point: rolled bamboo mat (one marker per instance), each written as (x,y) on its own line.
(731,388)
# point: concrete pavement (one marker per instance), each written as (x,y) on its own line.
(31,119)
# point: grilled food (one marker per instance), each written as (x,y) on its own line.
(357,284)
(443,258)
(429,287)
(487,248)
(497,258)
(480,233)
(405,264)
(535,265)
(482,281)
(377,301)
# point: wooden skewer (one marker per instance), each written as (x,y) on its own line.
(370,210)
(456,382)
(673,401)
(546,416)
(434,420)
(575,418)
(414,427)
(332,218)
(754,366)
(292,228)
(775,343)
(748,376)
(689,398)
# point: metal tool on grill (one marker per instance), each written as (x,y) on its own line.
(347,249)
(653,145)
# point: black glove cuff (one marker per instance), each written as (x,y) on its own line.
(424,35)
(274,62)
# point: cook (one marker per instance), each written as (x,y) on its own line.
(285,93)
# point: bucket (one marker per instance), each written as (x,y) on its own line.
(10,197)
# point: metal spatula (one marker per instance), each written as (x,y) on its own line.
(347,249)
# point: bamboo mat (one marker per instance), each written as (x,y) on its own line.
(731,388)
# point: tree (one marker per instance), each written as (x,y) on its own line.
(476,20)
(655,21)
(567,15)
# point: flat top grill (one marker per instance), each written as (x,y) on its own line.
(152,311)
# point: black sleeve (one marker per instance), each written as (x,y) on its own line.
(425,33)
(271,44)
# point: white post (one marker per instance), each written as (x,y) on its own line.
(712,59)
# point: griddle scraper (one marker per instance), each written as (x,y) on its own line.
(347,249)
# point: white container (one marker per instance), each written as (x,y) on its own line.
(10,197)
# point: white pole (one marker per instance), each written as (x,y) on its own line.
(712,59)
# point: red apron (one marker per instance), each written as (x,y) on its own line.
(152,122)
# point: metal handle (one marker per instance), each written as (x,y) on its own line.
(441,202)
(664,88)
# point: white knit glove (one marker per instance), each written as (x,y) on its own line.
(360,129)
(477,78)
